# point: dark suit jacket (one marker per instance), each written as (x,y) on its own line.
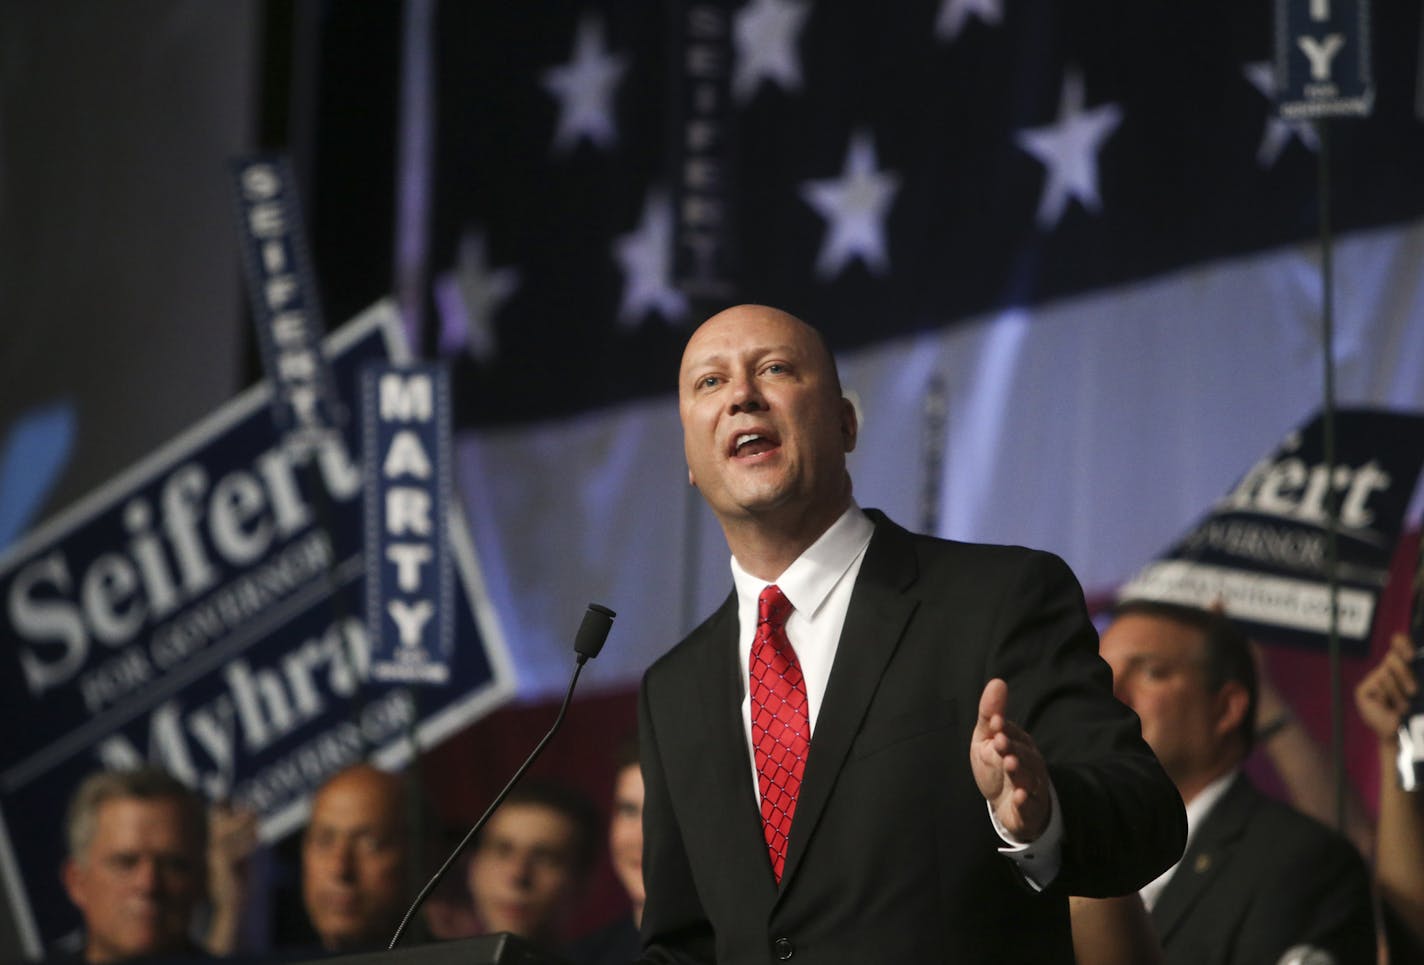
(1261,878)
(615,944)
(892,856)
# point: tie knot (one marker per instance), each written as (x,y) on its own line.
(773,607)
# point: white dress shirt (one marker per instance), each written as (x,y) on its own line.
(818,584)
(1197,813)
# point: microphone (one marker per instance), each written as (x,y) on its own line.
(592,634)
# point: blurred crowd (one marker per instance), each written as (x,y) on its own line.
(158,873)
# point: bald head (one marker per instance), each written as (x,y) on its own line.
(354,856)
(738,317)
(765,431)
(375,787)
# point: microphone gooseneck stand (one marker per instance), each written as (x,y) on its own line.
(592,634)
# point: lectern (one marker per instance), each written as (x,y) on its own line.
(500,949)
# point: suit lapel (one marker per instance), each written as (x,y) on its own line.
(736,809)
(1204,860)
(875,621)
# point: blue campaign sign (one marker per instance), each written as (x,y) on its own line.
(205,611)
(1261,553)
(1323,58)
(284,298)
(405,419)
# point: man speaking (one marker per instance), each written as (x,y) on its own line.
(883,747)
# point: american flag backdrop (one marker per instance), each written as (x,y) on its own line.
(1067,255)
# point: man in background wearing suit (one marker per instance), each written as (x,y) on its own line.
(1260,882)
(807,792)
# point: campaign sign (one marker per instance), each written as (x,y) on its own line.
(405,415)
(204,611)
(1323,58)
(703,254)
(281,285)
(1261,553)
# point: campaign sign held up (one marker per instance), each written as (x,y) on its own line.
(405,417)
(703,256)
(204,611)
(1261,553)
(284,299)
(1323,58)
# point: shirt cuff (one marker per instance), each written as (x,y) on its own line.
(1038,861)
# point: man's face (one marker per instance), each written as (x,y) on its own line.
(1159,670)
(353,861)
(625,832)
(139,880)
(764,425)
(524,875)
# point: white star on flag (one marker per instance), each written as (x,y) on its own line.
(954,14)
(584,87)
(1069,149)
(468,297)
(855,206)
(645,255)
(766,33)
(1278,132)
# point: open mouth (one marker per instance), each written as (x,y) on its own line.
(753,444)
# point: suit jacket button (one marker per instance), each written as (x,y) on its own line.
(784,948)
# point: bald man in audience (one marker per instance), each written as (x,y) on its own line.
(355,858)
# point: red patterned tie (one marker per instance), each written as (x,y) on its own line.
(781,723)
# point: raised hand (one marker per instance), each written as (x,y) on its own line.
(1382,697)
(232,838)
(1008,768)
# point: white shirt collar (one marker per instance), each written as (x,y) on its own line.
(1197,812)
(1205,800)
(811,577)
